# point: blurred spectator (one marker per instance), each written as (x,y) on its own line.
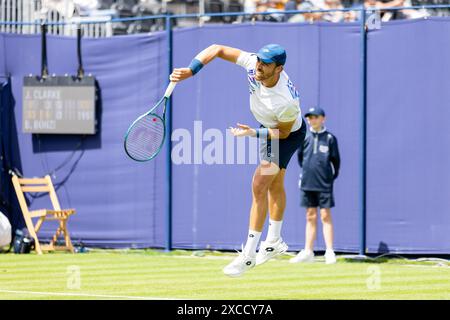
(64,8)
(385,15)
(85,6)
(271,6)
(280,4)
(413,13)
(372,4)
(333,16)
(302,5)
(292,5)
(70,8)
(318,3)
(91,8)
(250,6)
(380,4)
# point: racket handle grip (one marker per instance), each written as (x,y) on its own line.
(169,89)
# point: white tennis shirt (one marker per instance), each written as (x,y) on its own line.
(271,105)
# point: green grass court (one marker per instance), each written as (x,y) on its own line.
(149,274)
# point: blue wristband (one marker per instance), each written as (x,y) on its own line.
(195,66)
(262,132)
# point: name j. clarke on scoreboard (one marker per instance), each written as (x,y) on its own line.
(43,94)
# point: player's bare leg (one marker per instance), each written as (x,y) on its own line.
(261,183)
(274,245)
(327,223)
(277,197)
(262,179)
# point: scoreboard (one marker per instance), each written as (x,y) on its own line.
(59,105)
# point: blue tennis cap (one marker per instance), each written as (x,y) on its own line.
(315,111)
(272,53)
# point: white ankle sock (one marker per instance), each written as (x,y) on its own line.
(274,232)
(252,243)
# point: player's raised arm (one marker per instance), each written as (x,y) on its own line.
(203,58)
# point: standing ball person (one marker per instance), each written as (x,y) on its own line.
(320,161)
(274,102)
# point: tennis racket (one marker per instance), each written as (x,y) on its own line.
(145,136)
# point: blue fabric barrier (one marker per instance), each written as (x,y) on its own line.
(408,137)
(10,156)
(119,202)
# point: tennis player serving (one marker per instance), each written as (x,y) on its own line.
(275,104)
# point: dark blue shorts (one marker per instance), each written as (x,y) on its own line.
(313,199)
(282,154)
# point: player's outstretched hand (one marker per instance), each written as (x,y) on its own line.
(242,130)
(179,74)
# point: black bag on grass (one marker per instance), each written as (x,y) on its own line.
(23,242)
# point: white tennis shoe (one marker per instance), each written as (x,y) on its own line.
(330,257)
(269,250)
(239,265)
(303,257)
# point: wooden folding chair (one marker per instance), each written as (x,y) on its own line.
(23,185)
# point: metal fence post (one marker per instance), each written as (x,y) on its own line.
(363,88)
(168,243)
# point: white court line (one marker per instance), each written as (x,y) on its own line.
(66,294)
(204,257)
(425,266)
(230,257)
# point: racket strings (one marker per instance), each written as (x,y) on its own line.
(145,138)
